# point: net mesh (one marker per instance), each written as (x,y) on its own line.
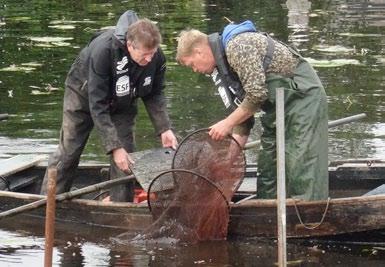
(183,211)
(190,202)
(223,162)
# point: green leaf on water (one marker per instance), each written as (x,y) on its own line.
(53,22)
(37,92)
(62,27)
(20,18)
(324,63)
(48,45)
(15,68)
(380,59)
(355,34)
(49,39)
(61,44)
(335,49)
(23,67)
(32,64)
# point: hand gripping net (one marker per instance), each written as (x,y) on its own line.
(190,202)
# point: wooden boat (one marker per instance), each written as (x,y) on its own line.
(348,210)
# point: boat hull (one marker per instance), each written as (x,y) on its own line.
(250,218)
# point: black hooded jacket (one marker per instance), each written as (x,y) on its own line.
(111,81)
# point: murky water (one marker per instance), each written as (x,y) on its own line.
(343,39)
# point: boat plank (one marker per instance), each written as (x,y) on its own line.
(19,163)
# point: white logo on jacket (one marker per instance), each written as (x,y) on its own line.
(121,64)
(123,86)
(147,81)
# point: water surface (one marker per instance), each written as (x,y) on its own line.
(343,39)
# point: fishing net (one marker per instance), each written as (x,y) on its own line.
(223,162)
(187,207)
(190,202)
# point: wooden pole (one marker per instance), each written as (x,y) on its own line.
(349,119)
(331,124)
(50,217)
(281,179)
(67,195)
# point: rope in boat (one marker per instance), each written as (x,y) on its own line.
(307,226)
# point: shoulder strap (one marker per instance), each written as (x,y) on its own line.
(269,52)
(218,51)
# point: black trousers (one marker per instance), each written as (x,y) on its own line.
(76,127)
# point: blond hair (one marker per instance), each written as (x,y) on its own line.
(187,41)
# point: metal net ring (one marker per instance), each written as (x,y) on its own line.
(199,152)
(173,184)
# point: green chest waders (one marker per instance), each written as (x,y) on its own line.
(306,136)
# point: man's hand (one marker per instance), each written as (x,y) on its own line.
(224,127)
(220,130)
(122,159)
(168,139)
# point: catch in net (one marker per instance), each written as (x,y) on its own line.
(190,202)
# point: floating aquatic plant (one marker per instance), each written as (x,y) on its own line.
(50,41)
(332,63)
(355,34)
(380,59)
(38,92)
(62,27)
(53,22)
(32,64)
(43,91)
(20,18)
(335,49)
(23,67)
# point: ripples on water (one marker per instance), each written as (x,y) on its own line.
(20,250)
(344,40)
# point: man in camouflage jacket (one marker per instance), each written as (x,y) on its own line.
(259,64)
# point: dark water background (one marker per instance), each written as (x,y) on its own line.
(343,39)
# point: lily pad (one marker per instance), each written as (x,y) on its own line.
(355,34)
(49,39)
(86,21)
(380,59)
(61,44)
(21,18)
(324,63)
(32,64)
(16,68)
(335,49)
(23,67)
(44,45)
(62,27)
(38,92)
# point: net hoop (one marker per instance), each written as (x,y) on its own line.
(184,171)
(187,137)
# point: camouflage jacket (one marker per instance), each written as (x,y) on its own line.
(245,53)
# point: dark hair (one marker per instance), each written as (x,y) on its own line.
(145,33)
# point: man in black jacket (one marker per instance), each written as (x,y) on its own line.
(102,87)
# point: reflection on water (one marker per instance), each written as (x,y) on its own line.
(39,40)
(20,250)
(298,21)
(343,40)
